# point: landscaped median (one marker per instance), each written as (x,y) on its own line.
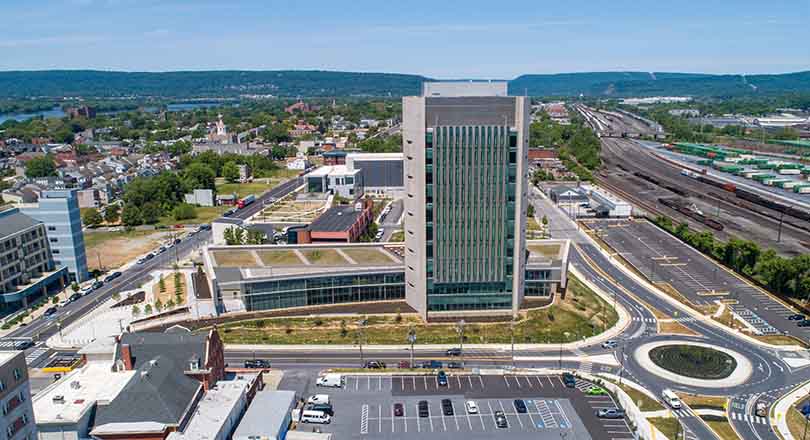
(581,314)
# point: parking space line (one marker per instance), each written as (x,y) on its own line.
(413,379)
(455,417)
(565,417)
(481,418)
(424,379)
(507,381)
(529,412)
(482,382)
(356,383)
(517,380)
(458,378)
(470,379)
(430,419)
(392,417)
(368,383)
(405,416)
(539,382)
(491,414)
(402,382)
(379,387)
(444,425)
(469,420)
(517,415)
(364,419)
(560,379)
(379,411)
(418,425)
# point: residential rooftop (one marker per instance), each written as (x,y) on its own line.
(214,409)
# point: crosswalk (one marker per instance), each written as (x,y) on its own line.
(585,366)
(749,418)
(648,320)
(32,357)
(682,413)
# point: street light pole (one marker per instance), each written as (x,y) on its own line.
(566,334)
(412,340)
(460,329)
(512,332)
(621,364)
(362,323)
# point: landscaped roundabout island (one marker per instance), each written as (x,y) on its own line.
(694,361)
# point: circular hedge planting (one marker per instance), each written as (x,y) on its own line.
(694,362)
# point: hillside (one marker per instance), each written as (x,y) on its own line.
(289,83)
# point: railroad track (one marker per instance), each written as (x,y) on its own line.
(619,154)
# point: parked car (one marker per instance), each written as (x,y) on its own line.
(610,344)
(375,364)
(796,317)
(520,406)
(447,407)
(610,413)
(205,227)
(399,410)
(331,380)
(404,364)
(423,409)
(454,365)
(453,352)
(97,284)
(500,420)
(309,416)
(112,276)
(569,380)
(74,297)
(441,378)
(596,391)
(318,398)
(472,407)
(323,407)
(257,363)
(50,311)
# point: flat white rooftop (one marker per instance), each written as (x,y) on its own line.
(219,406)
(79,390)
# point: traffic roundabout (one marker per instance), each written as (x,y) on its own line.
(694,363)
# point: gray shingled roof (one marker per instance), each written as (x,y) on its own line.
(160,391)
(335,219)
(15,222)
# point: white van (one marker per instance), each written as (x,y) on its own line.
(332,380)
(671,399)
(319,398)
(312,416)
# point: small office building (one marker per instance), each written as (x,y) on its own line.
(268,417)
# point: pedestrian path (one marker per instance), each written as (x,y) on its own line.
(648,320)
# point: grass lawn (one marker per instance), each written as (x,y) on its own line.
(205,214)
(397,236)
(243,189)
(169,292)
(109,250)
(674,327)
(669,426)
(643,401)
(781,340)
(365,256)
(280,258)
(796,422)
(326,257)
(722,428)
(531,224)
(234,258)
(581,314)
(707,402)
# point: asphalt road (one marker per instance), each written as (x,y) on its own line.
(772,377)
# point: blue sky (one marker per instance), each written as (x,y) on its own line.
(438,38)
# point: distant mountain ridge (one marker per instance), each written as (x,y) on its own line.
(316,83)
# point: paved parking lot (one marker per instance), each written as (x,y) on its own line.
(364,408)
(663,258)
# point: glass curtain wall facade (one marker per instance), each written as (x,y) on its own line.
(327,289)
(470,175)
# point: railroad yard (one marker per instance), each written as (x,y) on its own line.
(659,187)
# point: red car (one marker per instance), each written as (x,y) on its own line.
(404,364)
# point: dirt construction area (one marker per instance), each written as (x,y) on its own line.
(108,250)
